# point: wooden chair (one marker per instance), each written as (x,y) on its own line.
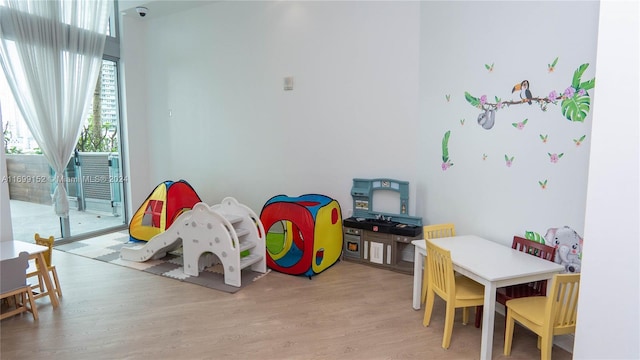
(48,242)
(546,316)
(13,284)
(433,232)
(537,288)
(456,291)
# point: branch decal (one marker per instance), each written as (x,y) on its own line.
(575,101)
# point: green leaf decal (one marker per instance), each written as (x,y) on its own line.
(534,236)
(472,100)
(576,108)
(445,146)
(575,83)
(588,85)
(554,63)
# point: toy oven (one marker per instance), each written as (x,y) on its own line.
(352,243)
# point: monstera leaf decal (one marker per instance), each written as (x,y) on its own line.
(576,107)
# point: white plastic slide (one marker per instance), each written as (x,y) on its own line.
(230,230)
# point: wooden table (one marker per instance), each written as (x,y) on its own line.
(489,263)
(11,249)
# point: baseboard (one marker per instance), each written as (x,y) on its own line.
(565,342)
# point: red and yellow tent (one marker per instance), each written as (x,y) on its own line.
(165,203)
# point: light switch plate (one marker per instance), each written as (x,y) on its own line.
(288,83)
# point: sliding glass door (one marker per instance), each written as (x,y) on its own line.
(94,176)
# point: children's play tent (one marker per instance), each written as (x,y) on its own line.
(167,201)
(304,234)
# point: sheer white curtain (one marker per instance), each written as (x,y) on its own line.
(51,53)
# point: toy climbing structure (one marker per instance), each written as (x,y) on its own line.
(229,230)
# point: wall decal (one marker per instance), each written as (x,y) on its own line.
(484,157)
(448,97)
(575,100)
(534,236)
(552,66)
(520,125)
(568,244)
(543,184)
(525,93)
(462,121)
(489,67)
(580,140)
(508,160)
(446,162)
(555,157)
(544,138)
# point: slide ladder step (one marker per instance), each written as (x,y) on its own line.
(249,260)
(247,245)
(242,232)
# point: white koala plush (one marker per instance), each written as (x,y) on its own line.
(568,246)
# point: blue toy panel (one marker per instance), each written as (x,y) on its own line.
(362,194)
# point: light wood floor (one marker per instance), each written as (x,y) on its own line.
(350,311)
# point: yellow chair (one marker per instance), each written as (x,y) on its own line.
(434,232)
(48,242)
(13,284)
(554,314)
(456,291)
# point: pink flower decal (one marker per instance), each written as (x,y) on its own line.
(446,165)
(483,99)
(553,96)
(569,92)
(508,160)
(555,157)
(520,125)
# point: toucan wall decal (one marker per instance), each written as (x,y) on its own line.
(525,93)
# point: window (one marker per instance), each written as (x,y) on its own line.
(94,177)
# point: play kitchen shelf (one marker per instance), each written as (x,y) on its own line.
(377,238)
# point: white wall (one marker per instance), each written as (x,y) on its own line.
(135,102)
(609,311)
(480,193)
(369,101)
(218,115)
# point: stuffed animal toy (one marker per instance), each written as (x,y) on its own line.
(568,246)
